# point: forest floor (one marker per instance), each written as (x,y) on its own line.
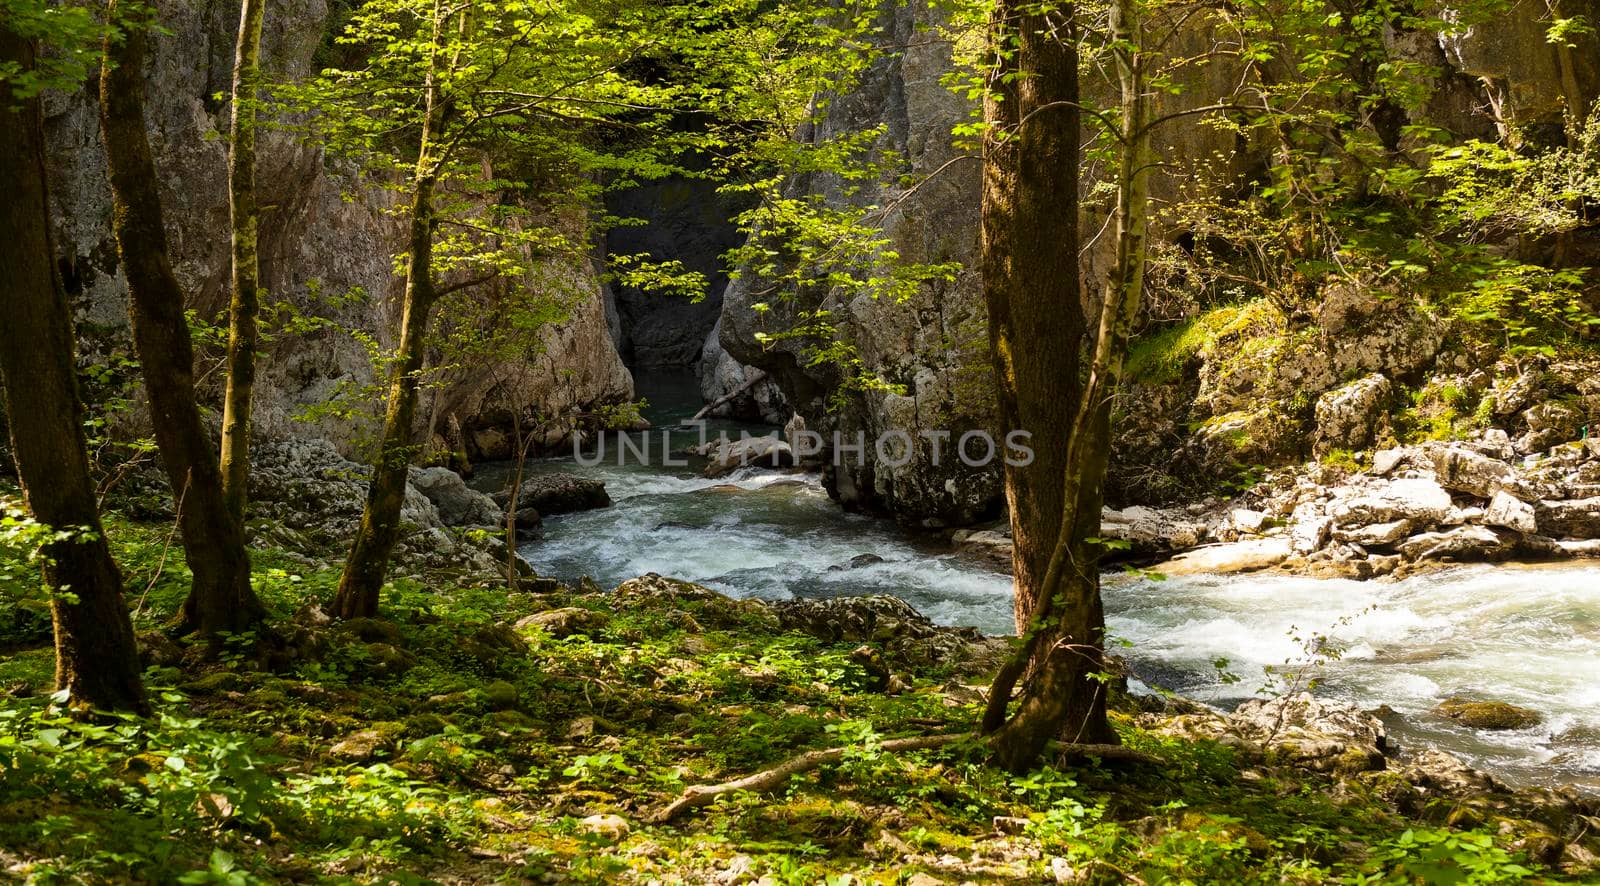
(441,744)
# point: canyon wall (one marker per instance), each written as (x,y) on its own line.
(1503,73)
(328,241)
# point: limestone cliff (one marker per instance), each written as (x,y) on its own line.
(1216,412)
(327,243)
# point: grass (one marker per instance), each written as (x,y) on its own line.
(438,745)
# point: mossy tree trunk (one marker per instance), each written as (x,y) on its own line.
(220,596)
(97,662)
(1038,335)
(368,563)
(245,306)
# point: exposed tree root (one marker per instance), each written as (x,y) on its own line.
(767,779)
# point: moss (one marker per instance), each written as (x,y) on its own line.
(1488,714)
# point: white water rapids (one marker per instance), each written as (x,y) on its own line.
(1529,636)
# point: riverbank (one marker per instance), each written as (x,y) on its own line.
(471,735)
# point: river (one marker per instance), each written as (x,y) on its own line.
(1525,635)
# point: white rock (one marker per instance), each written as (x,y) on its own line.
(1460,543)
(1384,461)
(1239,556)
(1246,520)
(1512,513)
(1420,500)
(1376,534)
(1310,534)
(610,827)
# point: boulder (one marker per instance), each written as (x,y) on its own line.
(1463,543)
(1316,733)
(1384,461)
(458,505)
(1347,417)
(1579,518)
(906,636)
(1226,559)
(1424,502)
(705,606)
(1549,423)
(765,452)
(1310,533)
(565,622)
(1492,715)
(990,544)
(557,494)
(610,828)
(1445,773)
(1376,535)
(1465,470)
(1151,530)
(1512,513)
(1247,521)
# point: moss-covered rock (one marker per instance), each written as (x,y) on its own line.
(1488,714)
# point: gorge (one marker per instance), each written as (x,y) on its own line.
(1351,490)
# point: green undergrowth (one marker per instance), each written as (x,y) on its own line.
(439,745)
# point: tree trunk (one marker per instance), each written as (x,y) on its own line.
(1037,335)
(220,597)
(97,662)
(364,571)
(246,269)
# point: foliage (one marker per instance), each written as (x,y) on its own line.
(237,778)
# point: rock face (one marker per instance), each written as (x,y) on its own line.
(934,343)
(721,375)
(1269,385)
(327,246)
(686,220)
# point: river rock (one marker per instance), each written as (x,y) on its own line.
(1347,417)
(1422,501)
(994,545)
(1151,530)
(1310,533)
(557,494)
(764,452)
(458,505)
(1465,470)
(1316,733)
(907,637)
(1512,513)
(1226,559)
(1385,461)
(1376,535)
(1578,518)
(1463,543)
(1492,715)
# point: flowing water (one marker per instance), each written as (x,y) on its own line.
(1529,636)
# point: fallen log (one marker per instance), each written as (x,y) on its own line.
(755,378)
(699,795)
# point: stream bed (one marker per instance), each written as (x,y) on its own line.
(1525,635)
